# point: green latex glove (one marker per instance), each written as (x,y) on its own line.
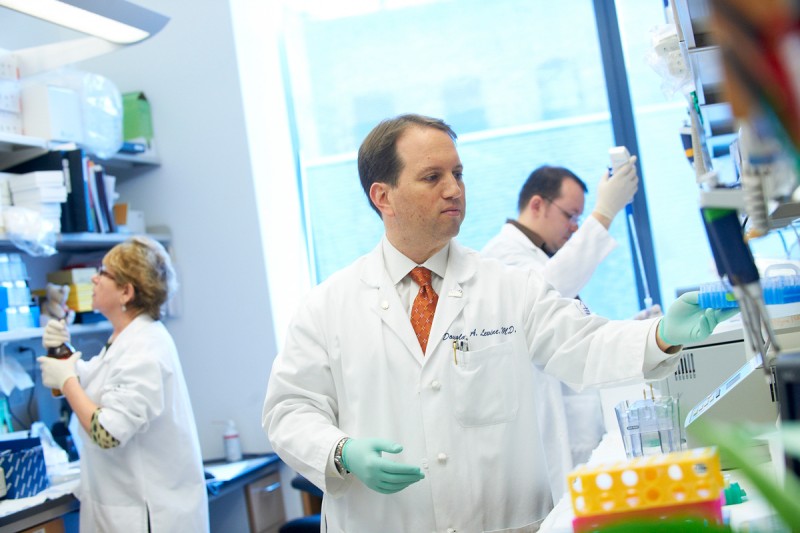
(363,458)
(686,322)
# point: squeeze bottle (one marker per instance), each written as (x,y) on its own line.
(233,448)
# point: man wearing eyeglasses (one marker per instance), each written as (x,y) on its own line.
(548,237)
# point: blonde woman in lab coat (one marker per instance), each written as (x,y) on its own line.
(141,468)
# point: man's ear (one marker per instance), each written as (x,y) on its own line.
(536,203)
(379,195)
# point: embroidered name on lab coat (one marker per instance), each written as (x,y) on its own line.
(502,330)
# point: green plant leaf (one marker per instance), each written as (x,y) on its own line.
(734,443)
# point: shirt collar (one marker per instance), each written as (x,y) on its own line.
(398,265)
(533,236)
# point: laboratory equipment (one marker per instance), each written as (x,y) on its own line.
(687,484)
(743,396)
(649,426)
(787,373)
(618,156)
(777,290)
(703,366)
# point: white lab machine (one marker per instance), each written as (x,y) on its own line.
(719,379)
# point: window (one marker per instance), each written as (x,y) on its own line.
(520,81)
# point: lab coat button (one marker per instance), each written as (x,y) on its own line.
(425,464)
(435,385)
(442,457)
(451,530)
(384,305)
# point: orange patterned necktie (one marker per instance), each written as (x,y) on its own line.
(424,305)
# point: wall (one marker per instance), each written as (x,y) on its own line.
(204,193)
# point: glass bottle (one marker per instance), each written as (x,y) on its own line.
(63,351)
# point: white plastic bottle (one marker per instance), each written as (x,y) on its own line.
(233,448)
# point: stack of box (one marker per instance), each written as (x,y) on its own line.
(10,109)
(16,308)
(79,280)
(42,191)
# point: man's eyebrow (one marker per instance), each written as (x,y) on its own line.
(438,168)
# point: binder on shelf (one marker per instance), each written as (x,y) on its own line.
(94,201)
(101,204)
(75,213)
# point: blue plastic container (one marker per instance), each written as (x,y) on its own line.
(777,290)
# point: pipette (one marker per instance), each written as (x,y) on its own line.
(619,155)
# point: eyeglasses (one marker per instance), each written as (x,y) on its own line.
(103,271)
(573,219)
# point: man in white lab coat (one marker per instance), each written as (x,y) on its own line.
(547,236)
(406,431)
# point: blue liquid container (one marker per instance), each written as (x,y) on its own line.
(777,290)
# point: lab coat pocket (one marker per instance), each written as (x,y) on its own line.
(484,386)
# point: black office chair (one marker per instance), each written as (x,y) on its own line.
(312,501)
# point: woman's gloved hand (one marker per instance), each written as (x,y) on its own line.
(55,334)
(362,457)
(615,192)
(687,322)
(56,372)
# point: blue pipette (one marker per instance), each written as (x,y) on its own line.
(619,155)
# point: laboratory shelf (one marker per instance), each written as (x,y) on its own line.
(90,241)
(87,242)
(25,334)
(126,161)
(16,149)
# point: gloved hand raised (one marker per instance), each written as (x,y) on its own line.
(56,372)
(615,192)
(687,322)
(55,333)
(363,458)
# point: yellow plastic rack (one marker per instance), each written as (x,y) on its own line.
(648,482)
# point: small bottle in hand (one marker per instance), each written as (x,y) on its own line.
(62,351)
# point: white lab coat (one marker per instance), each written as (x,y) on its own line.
(352,366)
(570,269)
(138,383)
(569,420)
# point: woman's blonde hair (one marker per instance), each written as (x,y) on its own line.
(145,264)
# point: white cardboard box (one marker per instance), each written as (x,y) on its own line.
(51,112)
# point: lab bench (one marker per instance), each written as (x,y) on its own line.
(20,515)
(245,495)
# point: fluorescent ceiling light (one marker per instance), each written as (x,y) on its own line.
(117,21)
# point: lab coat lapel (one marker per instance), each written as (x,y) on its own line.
(461,266)
(386,303)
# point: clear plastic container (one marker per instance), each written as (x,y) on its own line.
(649,426)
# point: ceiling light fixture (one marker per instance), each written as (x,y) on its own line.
(116,21)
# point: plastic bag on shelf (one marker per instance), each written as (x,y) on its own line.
(100,104)
(669,61)
(29,231)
